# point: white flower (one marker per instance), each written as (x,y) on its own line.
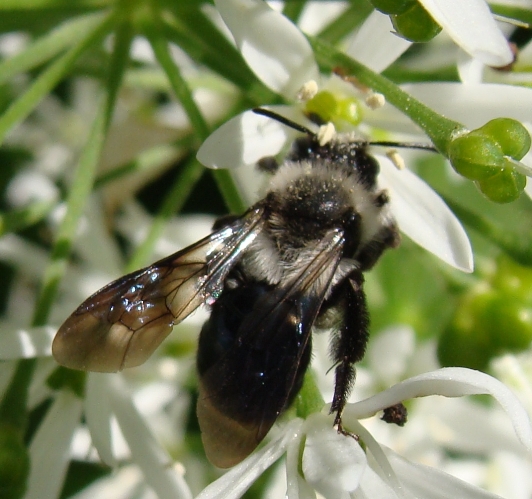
(115,425)
(469,23)
(335,465)
(244,139)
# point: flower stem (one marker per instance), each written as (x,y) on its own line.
(441,130)
(173,202)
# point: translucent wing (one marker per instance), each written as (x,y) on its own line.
(254,352)
(124,322)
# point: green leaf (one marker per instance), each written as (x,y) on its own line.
(49,78)
(49,45)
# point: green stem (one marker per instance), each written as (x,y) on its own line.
(83,182)
(440,129)
(22,107)
(46,47)
(13,406)
(178,83)
(172,204)
(293,10)
(344,24)
(512,12)
(25,217)
(230,193)
(184,94)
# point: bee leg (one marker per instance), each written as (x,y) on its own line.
(349,343)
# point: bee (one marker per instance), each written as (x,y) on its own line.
(294,262)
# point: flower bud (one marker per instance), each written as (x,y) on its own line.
(512,137)
(493,319)
(416,24)
(504,187)
(329,107)
(476,156)
(393,6)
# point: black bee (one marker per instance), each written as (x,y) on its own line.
(292,262)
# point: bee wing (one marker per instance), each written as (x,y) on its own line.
(243,393)
(124,322)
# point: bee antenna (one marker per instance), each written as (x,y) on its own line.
(285,121)
(404,145)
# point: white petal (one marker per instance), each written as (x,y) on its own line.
(449,382)
(379,460)
(246,138)
(238,479)
(273,47)
(98,415)
(296,486)
(375,45)
(50,447)
(26,343)
(430,483)
(155,462)
(473,104)
(471,25)
(332,463)
(396,344)
(372,485)
(470,70)
(424,217)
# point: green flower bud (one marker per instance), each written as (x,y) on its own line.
(465,341)
(393,6)
(348,110)
(504,187)
(513,279)
(323,104)
(416,24)
(485,155)
(14,463)
(476,156)
(509,323)
(336,109)
(511,135)
(491,320)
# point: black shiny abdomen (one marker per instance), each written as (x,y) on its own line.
(251,371)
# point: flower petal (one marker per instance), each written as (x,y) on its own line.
(152,458)
(26,343)
(431,483)
(471,104)
(471,25)
(98,415)
(332,463)
(238,479)
(296,486)
(246,138)
(424,217)
(375,45)
(274,48)
(474,104)
(372,485)
(449,382)
(396,344)
(50,447)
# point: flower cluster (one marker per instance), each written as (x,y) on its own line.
(91,191)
